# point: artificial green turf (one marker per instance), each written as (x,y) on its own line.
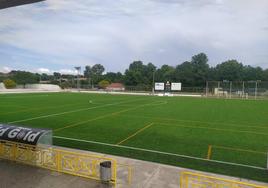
(181,125)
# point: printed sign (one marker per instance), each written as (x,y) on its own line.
(20,134)
(159,86)
(176,86)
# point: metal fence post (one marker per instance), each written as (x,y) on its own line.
(231,84)
(256,88)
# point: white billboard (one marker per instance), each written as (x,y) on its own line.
(159,86)
(175,86)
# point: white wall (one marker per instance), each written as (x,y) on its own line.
(47,87)
(2,86)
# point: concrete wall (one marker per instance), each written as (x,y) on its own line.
(46,87)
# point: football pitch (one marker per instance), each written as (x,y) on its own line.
(216,135)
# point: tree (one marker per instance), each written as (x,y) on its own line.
(23,77)
(57,75)
(96,72)
(44,77)
(88,72)
(185,73)
(139,74)
(113,77)
(265,75)
(97,69)
(103,84)
(230,70)
(134,74)
(252,73)
(200,69)
(150,70)
(165,73)
(212,74)
(9,84)
(133,78)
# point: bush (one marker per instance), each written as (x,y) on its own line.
(103,84)
(9,84)
(65,85)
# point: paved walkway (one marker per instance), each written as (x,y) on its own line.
(145,175)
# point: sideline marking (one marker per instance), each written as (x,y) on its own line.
(211,128)
(103,116)
(134,134)
(159,152)
(72,111)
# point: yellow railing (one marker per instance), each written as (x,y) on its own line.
(196,180)
(125,168)
(75,163)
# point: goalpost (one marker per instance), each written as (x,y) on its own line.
(236,89)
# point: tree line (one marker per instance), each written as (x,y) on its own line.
(193,73)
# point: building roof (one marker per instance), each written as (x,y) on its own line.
(116,85)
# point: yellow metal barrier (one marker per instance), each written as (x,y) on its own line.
(125,168)
(75,163)
(195,180)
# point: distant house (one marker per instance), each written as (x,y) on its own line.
(116,87)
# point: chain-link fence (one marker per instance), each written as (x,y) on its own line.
(218,89)
(237,89)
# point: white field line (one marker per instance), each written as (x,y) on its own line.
(72,111)
(104,116)
(160,152)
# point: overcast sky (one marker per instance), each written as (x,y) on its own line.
(57,35)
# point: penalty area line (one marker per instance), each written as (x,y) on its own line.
(160,152)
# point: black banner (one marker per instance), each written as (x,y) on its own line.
(20,134)
(12,3)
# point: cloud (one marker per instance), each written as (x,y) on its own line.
(43,70)
(62,71)
(5,69)
(66,33)
(67,71)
